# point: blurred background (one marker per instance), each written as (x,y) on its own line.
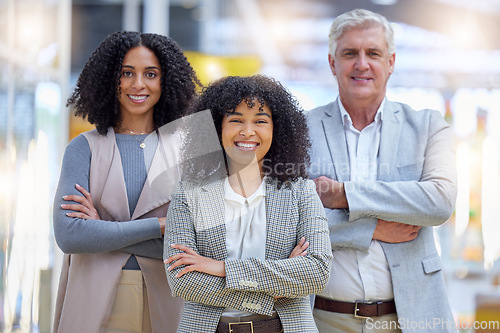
(447,58)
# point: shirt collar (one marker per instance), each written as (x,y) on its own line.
(346,118)
(230,194)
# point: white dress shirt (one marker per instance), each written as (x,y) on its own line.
(245,228)
(357,275)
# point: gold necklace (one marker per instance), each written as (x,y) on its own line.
(141,143)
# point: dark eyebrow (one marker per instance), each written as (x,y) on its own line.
(234,114)
(147,68)
(263,114)
(240,114)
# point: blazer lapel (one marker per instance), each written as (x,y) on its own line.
(389,141)
(114,194)
(335,137)
(277,218)
(212,210)
(163,174)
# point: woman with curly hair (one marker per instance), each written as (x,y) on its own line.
(246,249)
(108,218)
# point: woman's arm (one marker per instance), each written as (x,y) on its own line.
(296,277)
(79,235)
(291,277)
(197,286)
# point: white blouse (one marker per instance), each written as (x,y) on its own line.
(245,227)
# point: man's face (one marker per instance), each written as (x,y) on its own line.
(362,65)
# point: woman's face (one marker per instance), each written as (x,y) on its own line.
(140,87)
(247,134)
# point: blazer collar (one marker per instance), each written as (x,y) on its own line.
(110,171)
(212,208)
(277,218)
(334,132)
(389,141)
(162,175)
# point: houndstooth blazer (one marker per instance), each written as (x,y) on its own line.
(196,218)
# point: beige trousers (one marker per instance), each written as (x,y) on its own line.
(130,312)
(332,322)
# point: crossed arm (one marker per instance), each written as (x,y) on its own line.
(400,208)
(78,228)
(332,194)
(305,272)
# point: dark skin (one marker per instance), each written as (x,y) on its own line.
(245,170)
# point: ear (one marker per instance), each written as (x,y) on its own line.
(392,60)
(331,61)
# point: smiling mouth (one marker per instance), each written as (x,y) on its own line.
(246,145)
(361,79)
(138,98)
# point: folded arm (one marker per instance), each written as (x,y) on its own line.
(252,280)
(83,234)
(362,211)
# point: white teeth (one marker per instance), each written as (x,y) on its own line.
(246,145)
(138,98)
(358,79)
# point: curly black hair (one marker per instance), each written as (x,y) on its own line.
(288,157)
(95,97)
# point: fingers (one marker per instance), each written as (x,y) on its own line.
(184,248)
(185,270)
(187,253)
(179,259)
(85,209)
(80,208)
(78,211)
(78,215)
(300,249)
(76,198)
(83,191)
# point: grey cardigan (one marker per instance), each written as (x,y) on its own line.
(88,282)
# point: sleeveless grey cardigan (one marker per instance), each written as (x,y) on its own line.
(80,309)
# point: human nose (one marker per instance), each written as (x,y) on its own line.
(361,62)
(138,82)
(247,130)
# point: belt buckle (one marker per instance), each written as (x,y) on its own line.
(241,323)
(356,309)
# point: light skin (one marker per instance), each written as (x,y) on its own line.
(362,65)
(140,90)
(246,137)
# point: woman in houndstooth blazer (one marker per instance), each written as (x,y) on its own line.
(246,249)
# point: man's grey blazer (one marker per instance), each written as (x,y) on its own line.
(416,184)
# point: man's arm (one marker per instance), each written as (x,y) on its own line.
(423,202)
(332,195)
(424,192)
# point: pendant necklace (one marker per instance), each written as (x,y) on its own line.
(141,143)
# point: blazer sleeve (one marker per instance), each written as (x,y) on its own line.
(201,287)
(425,195)
(295,277)
(355,234)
